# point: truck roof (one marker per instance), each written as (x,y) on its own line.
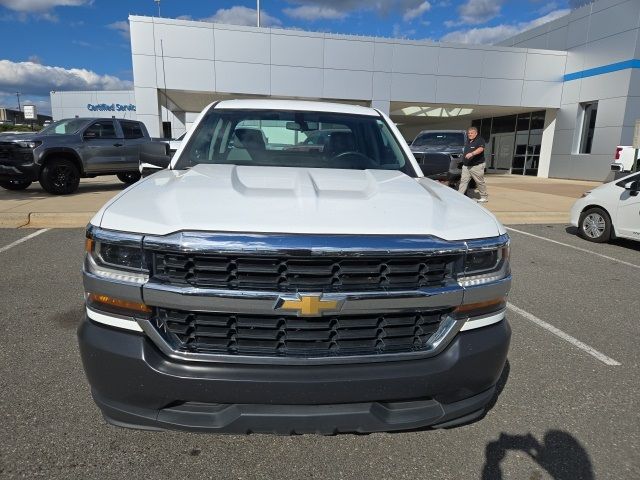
(299,105)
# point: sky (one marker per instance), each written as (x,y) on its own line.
(84,44)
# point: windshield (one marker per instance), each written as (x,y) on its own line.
(294,139)
(439,139)
(64,127)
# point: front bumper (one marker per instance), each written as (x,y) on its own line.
(28,172)
(135,385)
(576,211)
(18,163)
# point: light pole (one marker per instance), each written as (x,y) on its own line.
(158,3)
(19,108)
(258,11)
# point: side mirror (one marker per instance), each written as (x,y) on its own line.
(153,156)
(633,187)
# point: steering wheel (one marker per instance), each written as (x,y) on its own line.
(360,160)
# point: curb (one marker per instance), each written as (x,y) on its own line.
(13,220)
(81,219)
(45,219)
(523,218)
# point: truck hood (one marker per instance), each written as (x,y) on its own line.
(28,137)
(229,198)
(436,149)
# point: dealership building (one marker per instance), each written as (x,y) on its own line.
(554,101)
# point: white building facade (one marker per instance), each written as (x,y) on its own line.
(117,103)
(553,101)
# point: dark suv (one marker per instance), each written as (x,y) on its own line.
(439,153)
(70,149)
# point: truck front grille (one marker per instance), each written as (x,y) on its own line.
(239,334)
(290,274)
(6,151)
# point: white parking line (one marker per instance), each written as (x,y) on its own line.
(575,248)
(23,239)
(565,336)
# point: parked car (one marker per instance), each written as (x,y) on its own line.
(439,153)
(250,288)
(67,150)
(610,211)
(625,160)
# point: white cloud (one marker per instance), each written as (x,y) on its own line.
(382,7)
(239,15)
(39,6)
(547,7)
(315,12)
(492,35)
(42,9)
(476,12)
(400,31)
(415,12)
(34,59)
(122,27)
(579,3)
(34,79)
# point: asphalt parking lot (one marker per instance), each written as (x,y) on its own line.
(568,408)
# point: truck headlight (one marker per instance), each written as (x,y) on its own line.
(30,144)
(116,256)
(485,266)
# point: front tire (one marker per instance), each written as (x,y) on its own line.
(15,184)
(595,225)
(60,177)
(129,177)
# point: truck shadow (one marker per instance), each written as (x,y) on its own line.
(620,242)
(560,454)
(70,319)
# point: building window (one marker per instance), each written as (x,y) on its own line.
(589,111)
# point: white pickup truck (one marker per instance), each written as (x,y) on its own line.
(625,160)
(265,284)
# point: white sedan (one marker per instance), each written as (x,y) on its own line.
(610,211)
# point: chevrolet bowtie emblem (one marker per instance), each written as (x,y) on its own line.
(309,305)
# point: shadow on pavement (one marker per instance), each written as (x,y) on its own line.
(560,454)
(35,192)
(620,242)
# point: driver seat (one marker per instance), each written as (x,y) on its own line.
(340,142)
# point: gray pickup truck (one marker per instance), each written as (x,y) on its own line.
(439,154)
(70,149)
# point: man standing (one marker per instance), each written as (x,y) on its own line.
(473,164)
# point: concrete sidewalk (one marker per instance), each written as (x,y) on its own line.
(515,199)
(518,199)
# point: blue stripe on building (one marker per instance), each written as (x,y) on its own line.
(592,72)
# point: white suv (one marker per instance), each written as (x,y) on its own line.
(609,211)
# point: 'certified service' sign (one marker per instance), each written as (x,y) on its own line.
(110,107)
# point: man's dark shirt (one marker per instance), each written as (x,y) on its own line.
(470,146)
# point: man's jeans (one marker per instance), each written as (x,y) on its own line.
(477,173)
